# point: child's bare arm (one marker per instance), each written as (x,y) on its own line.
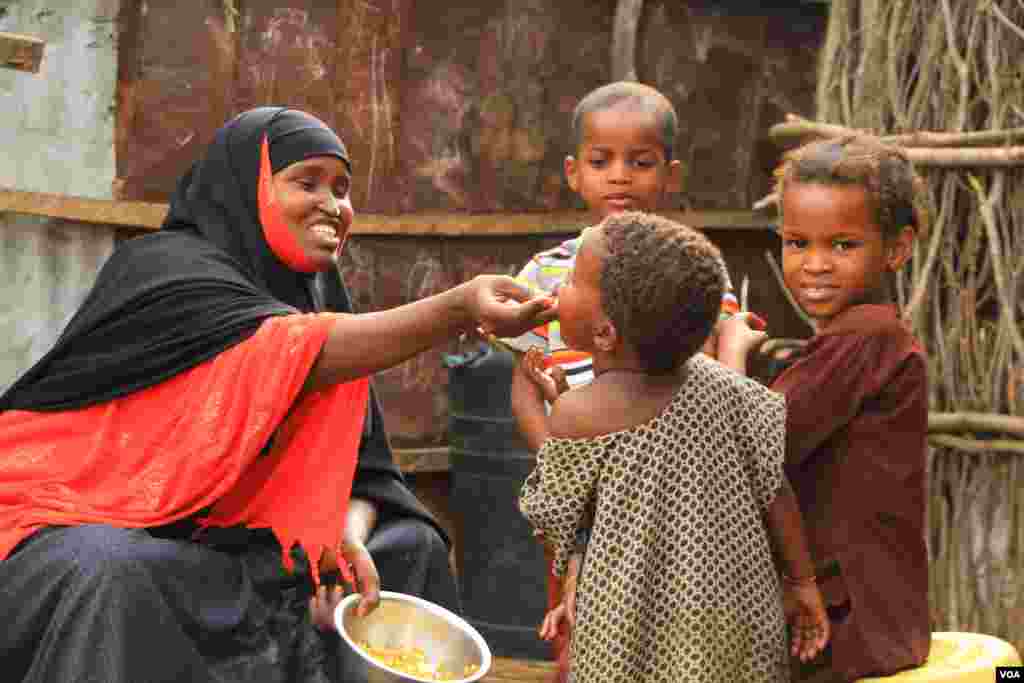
(528,403)
(530,382)
(735,338)
(804,607)
(786,528)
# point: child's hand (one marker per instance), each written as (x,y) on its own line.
(552,382)
(808,623)
(553,621)
(565,612)
(737,336)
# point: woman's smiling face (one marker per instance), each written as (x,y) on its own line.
(313,198)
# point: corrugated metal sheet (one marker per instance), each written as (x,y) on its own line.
(58,137)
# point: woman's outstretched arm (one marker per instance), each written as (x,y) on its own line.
(360,345)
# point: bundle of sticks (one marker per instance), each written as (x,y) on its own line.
(975,149)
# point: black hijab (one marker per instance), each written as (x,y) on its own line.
(166,302)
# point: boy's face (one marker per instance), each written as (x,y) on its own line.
(621,164)
(833,253)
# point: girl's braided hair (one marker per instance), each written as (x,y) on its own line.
(896,193)
(662,285)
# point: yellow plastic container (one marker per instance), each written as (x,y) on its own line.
(958,658)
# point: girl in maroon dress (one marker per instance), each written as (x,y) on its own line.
(857,400)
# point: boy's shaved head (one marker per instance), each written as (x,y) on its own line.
(632,96)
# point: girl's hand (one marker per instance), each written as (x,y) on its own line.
(552,381)
(808,622)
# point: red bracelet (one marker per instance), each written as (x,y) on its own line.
(808,580)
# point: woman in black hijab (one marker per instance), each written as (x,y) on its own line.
(202,414)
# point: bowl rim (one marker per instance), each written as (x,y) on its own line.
(433,608)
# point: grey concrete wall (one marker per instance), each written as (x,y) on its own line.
(58,137)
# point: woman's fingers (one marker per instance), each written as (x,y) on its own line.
(322,606)
(505,308)
(366,576)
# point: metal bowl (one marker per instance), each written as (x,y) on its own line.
(405,621)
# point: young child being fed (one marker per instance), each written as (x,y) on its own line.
(675,462)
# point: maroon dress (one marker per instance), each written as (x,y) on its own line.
(856,431)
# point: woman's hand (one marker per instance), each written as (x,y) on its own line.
(808,622)
(367,580)
(551,381)
(503,307)
(359,523)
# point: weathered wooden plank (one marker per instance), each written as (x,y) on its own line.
(21,52)
(150,215)
(82,209)
(504,670)
(418,460)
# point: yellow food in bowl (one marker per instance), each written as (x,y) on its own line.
(413,661)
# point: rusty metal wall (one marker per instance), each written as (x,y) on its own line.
(58,137)
(463,106)
(458,105)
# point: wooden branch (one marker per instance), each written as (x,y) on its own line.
(951,423)
(149,216)
(24,53)
(1003,290)
(143,215)
(625,26)
(799,127)
(772,345)
(767,203)
(959,157)
(994,8)
(976,445)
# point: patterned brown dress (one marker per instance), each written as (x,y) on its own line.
(678,583)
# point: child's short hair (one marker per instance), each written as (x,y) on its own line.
(894,189)
(662,285)
(639,97)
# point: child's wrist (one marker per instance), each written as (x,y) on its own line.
(799,580)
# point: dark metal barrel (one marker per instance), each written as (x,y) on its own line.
(501,564)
